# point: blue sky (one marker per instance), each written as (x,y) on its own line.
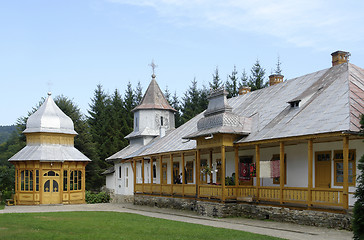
(68,47)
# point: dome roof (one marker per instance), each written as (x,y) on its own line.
(49,118)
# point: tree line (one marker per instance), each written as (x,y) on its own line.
(110,118)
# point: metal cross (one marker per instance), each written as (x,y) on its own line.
(153,65)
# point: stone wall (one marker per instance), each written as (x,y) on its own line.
(280,214)
(117,198)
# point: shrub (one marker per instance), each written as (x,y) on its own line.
(101,197)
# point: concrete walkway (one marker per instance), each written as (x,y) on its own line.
(276,229)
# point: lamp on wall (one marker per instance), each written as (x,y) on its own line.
(209,137)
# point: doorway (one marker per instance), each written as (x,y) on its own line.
(323,169)
(51,192)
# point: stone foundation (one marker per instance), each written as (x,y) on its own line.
(117,198)
(280,214)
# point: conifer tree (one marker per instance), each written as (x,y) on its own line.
(191,101)
(176,105)
(232,84)
(98,124)
(243,79)
(129,105)
(358,216)
(216,82)
(167,95)
(256,79)
(278,69)
(138,93)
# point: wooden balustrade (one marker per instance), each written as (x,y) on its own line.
(327,196)
(295,195)
(320,196)
(269,193)
(210,191)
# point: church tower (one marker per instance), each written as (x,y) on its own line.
(153,116)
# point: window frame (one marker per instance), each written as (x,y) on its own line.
(338,160)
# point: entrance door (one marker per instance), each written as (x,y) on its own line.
(323,170)
(51,193)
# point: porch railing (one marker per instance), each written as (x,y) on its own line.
(319,196)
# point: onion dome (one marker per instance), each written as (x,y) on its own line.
(49,118)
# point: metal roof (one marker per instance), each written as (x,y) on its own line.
(49,118)
(330,100)
(154,98)
(49,153)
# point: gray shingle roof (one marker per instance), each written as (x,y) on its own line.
(331,100)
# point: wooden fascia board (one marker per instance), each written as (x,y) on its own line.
(296,138)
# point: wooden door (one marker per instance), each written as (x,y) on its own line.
(323,169)
(176,175)
(51,188)
(247,160)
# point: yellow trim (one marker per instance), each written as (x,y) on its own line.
(50,138)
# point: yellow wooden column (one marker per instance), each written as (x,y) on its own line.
(151,172)
(143,175)
(198,153)
(257,168)
(236,149)
(134,174)
(223,173)
(210,163)
(161,173)
(281,170)
(183,173)
(346,172)
(310,164)
(171,163)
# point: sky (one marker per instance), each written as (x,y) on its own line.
(68,47)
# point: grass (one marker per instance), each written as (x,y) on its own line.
(108,225)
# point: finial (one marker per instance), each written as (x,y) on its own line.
(49,93)
(153,65)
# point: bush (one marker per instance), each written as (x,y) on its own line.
(101,197)
(5,194)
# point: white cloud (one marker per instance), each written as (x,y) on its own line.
(309,23)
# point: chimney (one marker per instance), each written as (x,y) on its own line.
(275,79)
(244,90)
(339,57)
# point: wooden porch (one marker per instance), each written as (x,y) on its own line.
(281,195)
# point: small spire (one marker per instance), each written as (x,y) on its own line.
(49,93)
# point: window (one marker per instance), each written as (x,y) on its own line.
(51,174)
(339,167)
(119,171)
(189,172)
(126,177)
(154,171)
(161,121)
(136,122)
(65,180)
(75,180)
(277,179)
(164,173)
(218,168)
(26,180)
(37,180)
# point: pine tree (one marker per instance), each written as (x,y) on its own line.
(191,101)
(175,103)
(216,82)
(243,79)
(232,84)
(129,105)
(358,216)
(256,79)
(138,93)
(98,124)
(278,69)
(167,95)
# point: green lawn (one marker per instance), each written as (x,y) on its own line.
(108,225)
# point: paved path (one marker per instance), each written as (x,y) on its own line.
(276,229)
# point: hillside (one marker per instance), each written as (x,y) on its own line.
(5,132)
